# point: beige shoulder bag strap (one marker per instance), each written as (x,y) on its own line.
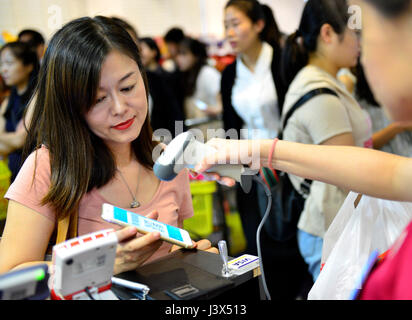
(67,228)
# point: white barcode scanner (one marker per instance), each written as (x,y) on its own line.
(185,151)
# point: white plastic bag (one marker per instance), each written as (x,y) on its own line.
(354,234)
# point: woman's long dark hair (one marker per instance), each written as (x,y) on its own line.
(189,77)
(362,88)
(67,89)
(304,41)
(255,12)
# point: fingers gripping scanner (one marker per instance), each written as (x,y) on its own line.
(83,267)
(185,151)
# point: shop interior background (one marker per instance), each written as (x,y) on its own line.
(198,18)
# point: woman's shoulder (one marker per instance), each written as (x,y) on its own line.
(311,75)
(39,159)
(308,79)
(42,152)
(36,169)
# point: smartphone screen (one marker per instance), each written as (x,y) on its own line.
(145,225)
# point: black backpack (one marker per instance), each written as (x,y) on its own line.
(287,202)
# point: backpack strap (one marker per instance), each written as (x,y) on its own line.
(303,100)
(306,184)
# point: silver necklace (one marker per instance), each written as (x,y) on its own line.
(134,203)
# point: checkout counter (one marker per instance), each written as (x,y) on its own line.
(191,275)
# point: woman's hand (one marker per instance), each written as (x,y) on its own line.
(204,245)
(229,151)
(133,250)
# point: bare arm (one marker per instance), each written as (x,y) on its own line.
(384,136)
(25,237)
(10,141)
(362,170)
(3,107)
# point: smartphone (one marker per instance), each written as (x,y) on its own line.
(145,225)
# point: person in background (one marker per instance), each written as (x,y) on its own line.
(89,142)
(151,55)
(253,93)
(389,136)
(274,36)
(35,40)
(172,39)
(386,51)
(4,90)
(346,76)
(200,85)
(312,57)
(19,67)
(164,107)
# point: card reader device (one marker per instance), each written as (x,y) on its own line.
(25,284)
(83,267)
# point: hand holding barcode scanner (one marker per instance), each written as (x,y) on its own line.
(185,151)
(235,160)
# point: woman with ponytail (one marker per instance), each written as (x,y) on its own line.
(312,57)
(252,96)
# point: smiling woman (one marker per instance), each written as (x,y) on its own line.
(89,143)
(121,105)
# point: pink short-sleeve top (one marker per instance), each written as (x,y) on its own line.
(172,199)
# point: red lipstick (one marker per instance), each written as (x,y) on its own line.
(124,125)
